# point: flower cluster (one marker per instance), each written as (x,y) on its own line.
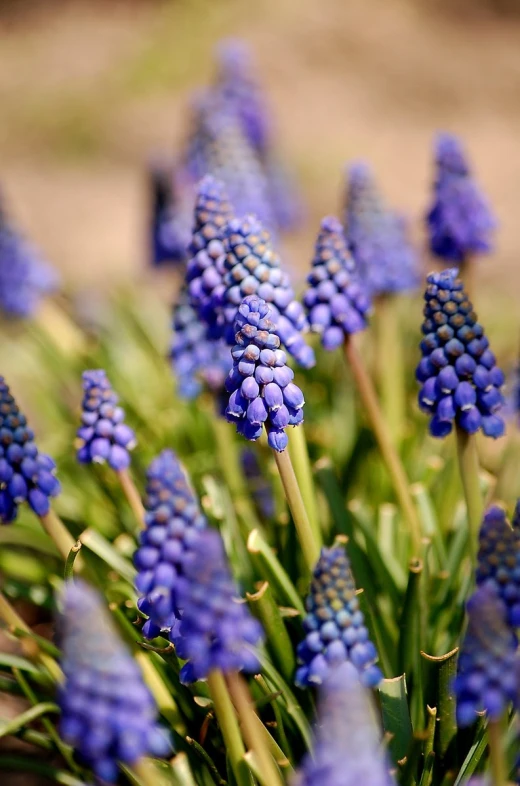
(486,674)
(336,301)
(25,278)
(348,749)
(195,358)
(216,629)
(499,561)
(260,382)
(459,221)
(107,713)
(173,520)
(25,474)
(168,225)
(460,379)
(103,434)
(253,268)
(377,237)
(205,269)
(334,625)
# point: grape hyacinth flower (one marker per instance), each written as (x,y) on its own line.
(26,475)
(486,678)
(216,630)
(260,382)
(377,237)
(461,382)
(348,749)
(253,268)
(107,713)
(499,561)
(205,269)
(103,434)
(169,226)
(195,359)
(334,625)
(336,301)
(173,520)
(459,221)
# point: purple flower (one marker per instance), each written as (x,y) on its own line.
(459,221)
(173,521)
(377,237)
(103,434)
(25,474)
(460,379)
(486,678)
(334,626)
(216,629)
(169,224)
(260,382)
(107,713)
(348,749)
(337,302)
(253,268)
(499,561)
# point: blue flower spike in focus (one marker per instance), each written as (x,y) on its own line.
(107,713)
(460,223)
(348,750)
(335,630)
(337,302)
(498,561)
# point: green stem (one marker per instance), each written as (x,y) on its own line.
(308,542)
(386,446)
(469,473)
(146,773)
(496,754)
(233,475)
(390,364)
(58,533)
(228,723)
(132,495)
(302,469)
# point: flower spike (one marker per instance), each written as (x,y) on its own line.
(499,561)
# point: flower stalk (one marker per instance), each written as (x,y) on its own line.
(58,533)
(390,364)
(496,754)
(228,723)
(132,495)
(469,473)
(299,454)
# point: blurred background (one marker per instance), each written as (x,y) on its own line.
(90,90)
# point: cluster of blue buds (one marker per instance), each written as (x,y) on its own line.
(103,434)
(169,228)
(173,521)
(460,379)
(205,268)
(336,301)
(334,625)
(348,749)
(196,359)
(25,474)
(260,382)
(487,679)
(107,713)
(216,630)
(377,237)
(459,221)
(25,278)
(253,268)
(499,561)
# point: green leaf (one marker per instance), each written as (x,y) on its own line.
(439,675)
(270,567)
(28,764)
(71,559)
(103,548)
(278,642)
(14,725)
(396,716)
(412,628)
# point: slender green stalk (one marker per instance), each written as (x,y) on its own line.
(228,723)
(390,364)
(308,542)
(58,532)
(302,469)
(508,481)
(132,495)
(386,446)
(146,773)
(68,572)
(233,475)
(469,473)
(265,608)
(496,754)
(251,728)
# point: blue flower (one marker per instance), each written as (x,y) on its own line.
(499,561)
(460,379)
(169,227)
(348,749)
(260,382)
(216,629)
(486,678)
(459,221)
(107,713)
(103,434)
(253,268)
(336,301)
(173,521)
(377,237)
(25,474)
(334,626)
